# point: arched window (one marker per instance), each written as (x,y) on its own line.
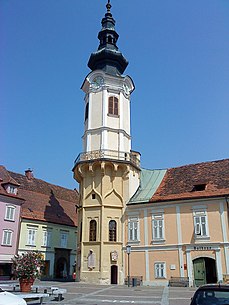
(112,230)
(92,230)
(113,105)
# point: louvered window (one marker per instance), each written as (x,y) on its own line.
(158,226)
(133,229)
(113,105)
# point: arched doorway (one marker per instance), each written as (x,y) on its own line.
(204,271)
(114,274)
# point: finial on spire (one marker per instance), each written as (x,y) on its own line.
(108,6)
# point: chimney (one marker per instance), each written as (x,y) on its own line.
(29,174)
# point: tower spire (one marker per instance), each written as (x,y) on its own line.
(108,58)
(108,6)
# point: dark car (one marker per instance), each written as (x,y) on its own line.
(213,294)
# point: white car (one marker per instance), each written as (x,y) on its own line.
(10,298)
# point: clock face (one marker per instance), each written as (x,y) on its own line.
(97,82)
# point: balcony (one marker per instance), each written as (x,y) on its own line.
(132,157)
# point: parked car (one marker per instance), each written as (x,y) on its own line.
(10,298)
(212,294)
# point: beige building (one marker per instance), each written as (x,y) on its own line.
(180,227)
(176,220)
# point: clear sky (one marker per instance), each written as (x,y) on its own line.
(178,52)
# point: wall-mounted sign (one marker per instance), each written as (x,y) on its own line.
(200,248)
(114,256)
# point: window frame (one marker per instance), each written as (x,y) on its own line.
(112,231)
(10,213)
(63,241)
(160,270)
(92,230)
(113,106)
(31,236)
(46,238)
(158,227)
(200,223)
(7,237)
(133,229)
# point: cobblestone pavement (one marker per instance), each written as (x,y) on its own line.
(80,294)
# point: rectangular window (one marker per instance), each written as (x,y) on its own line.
(46,238)
(113,105)
(133,229)
(31,236)
(63,239)
(159,270)
(7,238)
(200,224)
(10,212)
(158,226)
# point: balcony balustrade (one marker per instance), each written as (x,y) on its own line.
(113,155)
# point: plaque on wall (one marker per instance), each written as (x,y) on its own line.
(114,256)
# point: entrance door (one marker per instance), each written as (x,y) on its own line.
(114,274)
(199,271)
(204,271)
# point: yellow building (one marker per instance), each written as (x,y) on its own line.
(175,220)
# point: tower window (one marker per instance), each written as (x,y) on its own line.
(112,230)
(92,230)
(113,105)
(86,111)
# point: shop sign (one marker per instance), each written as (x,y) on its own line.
(202,248)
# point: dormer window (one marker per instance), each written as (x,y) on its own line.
(11,189)
(199,187)
(113,105)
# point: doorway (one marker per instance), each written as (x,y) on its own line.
(61,268)
(114,274)
(204,271)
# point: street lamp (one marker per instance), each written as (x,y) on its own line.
(128,250)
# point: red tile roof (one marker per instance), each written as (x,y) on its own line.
(179,182)
(45,201)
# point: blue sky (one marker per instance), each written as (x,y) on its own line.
(178,54)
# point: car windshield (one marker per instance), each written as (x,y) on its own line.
(212,297)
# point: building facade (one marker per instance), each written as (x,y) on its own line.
(47,223)
(10,209)
(181,226)
(175,220)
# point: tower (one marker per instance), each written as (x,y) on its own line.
(107,170)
